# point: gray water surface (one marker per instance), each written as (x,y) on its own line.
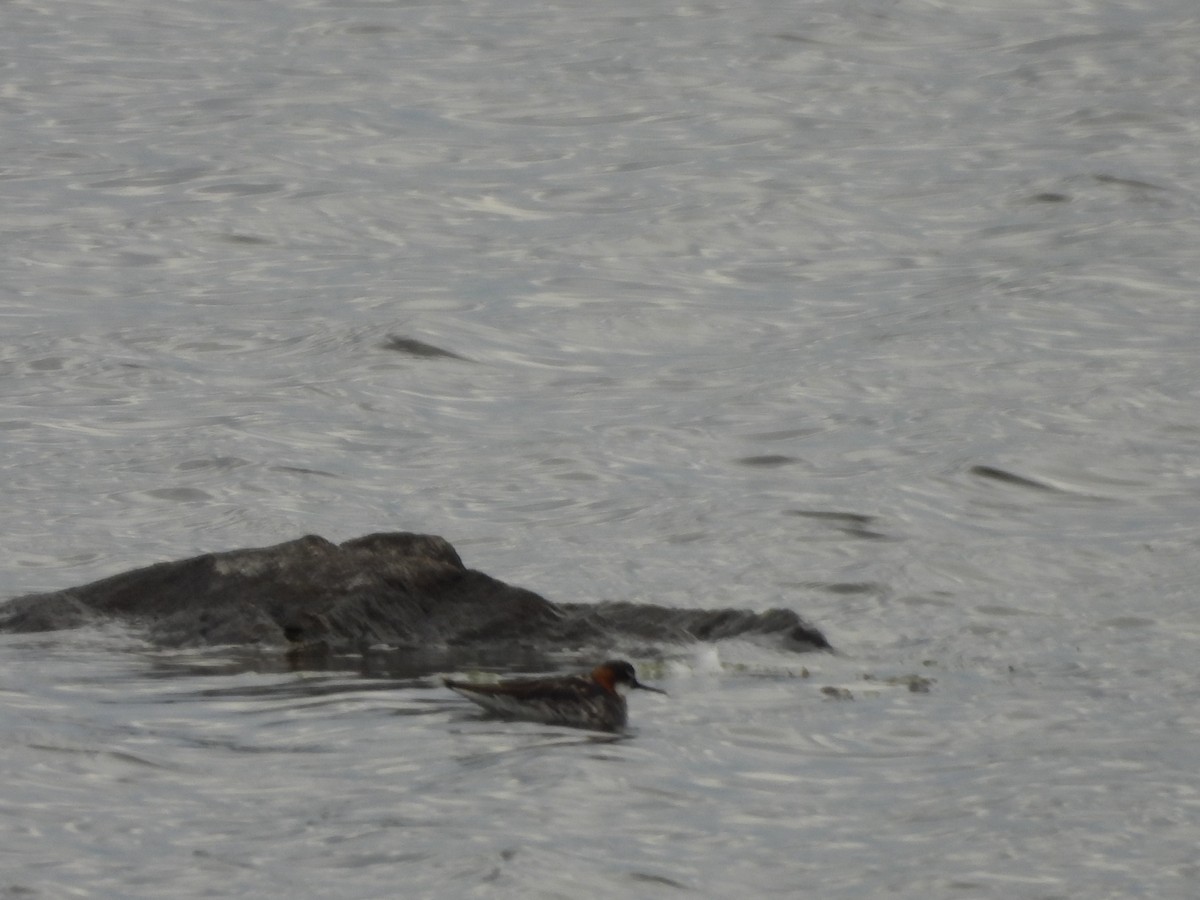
(885,312)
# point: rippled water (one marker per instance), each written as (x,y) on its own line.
(882,311)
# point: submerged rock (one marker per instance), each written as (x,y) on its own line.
(396,589)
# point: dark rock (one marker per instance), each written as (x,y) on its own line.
(395,589)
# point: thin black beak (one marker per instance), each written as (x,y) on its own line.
(646,687)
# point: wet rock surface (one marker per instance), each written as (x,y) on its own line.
(395,589)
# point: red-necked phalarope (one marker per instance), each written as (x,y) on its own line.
(595,700)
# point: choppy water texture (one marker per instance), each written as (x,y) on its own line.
(883,311)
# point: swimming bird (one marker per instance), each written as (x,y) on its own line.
(595,700)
